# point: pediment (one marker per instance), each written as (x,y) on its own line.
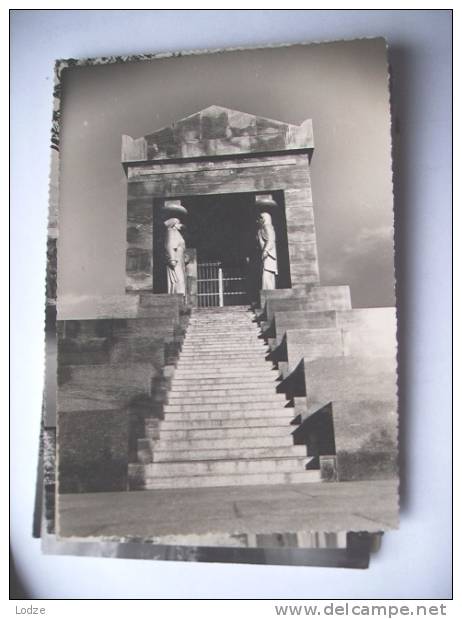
(217,131)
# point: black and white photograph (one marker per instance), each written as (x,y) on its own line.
(226,328)
(230,310)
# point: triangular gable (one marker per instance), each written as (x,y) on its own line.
(218,131)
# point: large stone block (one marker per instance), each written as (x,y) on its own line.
(79,386)
(302,319)
(150,325)
(323,298)
(93,450)
(282,293)
(357,342)
(318,298)
(139,349)
(311,344)
(83,350)
(161,305)
(365,439)
(98,307)
(379,323)
(369,318)
(84,329)
(350,378)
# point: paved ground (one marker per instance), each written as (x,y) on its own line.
(351,506)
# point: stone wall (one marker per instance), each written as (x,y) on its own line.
(346,337)
(112,377)
(366,439)
(311,299)
(339,366)
(93,452)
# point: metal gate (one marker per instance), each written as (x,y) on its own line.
(219,285)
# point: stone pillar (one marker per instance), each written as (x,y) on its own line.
(139,242)
(301,234)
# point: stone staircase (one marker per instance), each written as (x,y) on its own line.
(224,424)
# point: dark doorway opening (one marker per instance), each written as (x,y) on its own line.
(222,229)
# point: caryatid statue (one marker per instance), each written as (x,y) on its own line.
(175,247)
(266,238)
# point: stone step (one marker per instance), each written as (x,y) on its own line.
(227,358)
(224,443)
(248,316)
(251,382)
(224,320)
(238,351)
(243,407)
(240,333)
(251,376)
(209,424)
(205,325)
(280,434)
(200,379)
(222,315)
(238,337)
(208,326)
(252,453)
(236,310)
(233,414)
(194,351)
(211,325)
(228,364)
(235,399)
(224,372)
(233,336)
(226,467)
(238,354)
(245,321)
(205,320)
(214,349)
(140,481)
(217,343)
(256,392)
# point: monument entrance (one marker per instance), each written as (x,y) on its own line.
(220,232)
(220,229)
(215,164)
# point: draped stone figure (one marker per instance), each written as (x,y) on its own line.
(175,257)
(266,237)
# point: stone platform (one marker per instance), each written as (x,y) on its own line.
(352,506)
